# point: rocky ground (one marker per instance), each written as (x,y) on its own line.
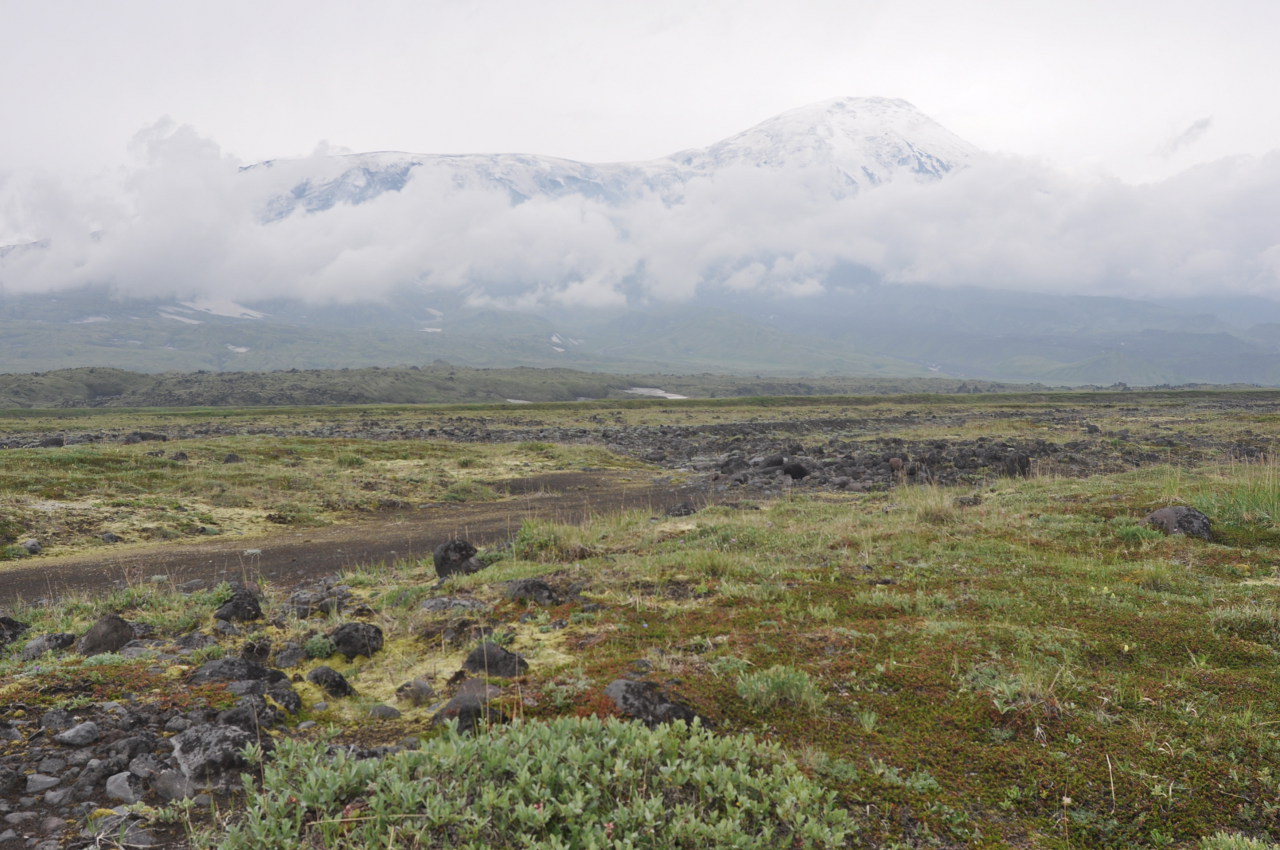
(67,774)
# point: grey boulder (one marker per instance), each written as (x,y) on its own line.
(1180,519)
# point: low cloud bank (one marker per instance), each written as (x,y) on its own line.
(188,221)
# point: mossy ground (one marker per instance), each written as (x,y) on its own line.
(1037,669)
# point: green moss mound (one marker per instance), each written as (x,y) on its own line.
(569,784)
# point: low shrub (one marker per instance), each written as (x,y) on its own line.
(569,784)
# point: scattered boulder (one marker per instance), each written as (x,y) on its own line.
(109,634)
(533,590)
(1017,465)
(331,682)
(241,607)
(32,546)
(489,659)
(232,457)
(795,471)
(356,639)
(469,711)
(80,735)
(326,596)
(456,557)
(210,754)
(10,630)
(234,670)
(110,537)
(1180,519)
(124,788)
(645,702)
(773,461)
(383,712)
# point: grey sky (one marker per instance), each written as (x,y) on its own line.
(1086,85)
(1138,142)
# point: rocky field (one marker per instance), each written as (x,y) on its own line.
(957,622)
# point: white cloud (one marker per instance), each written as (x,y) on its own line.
(188,222)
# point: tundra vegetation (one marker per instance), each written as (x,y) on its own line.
(1004,662)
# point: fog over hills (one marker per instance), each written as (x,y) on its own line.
(853,236)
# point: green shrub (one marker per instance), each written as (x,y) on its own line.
(569,784)
(319,647)
(781,685)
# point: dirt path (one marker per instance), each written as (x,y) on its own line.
(293,556)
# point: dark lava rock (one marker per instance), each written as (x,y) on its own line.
(489,659)
(356,639)
(232,457)
(646,703)
(326,596)
(32,546)
(179,456)
(109,634)
(532,590)
(331,682)
(383,712)
(37,647)
(795,471)
(10,630)
(111,537)
(241,607)
(1017,465)
(1180,519)
(457,557)
(234,670)
(210,754)
(470,711)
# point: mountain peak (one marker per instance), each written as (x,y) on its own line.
(864,141)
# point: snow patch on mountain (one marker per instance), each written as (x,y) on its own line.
(223,307)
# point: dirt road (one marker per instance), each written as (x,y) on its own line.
(294,556)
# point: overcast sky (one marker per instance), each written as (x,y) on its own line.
(1139,142)
(1139,88)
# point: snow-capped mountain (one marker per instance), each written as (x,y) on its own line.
(861,141)
(849,144)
